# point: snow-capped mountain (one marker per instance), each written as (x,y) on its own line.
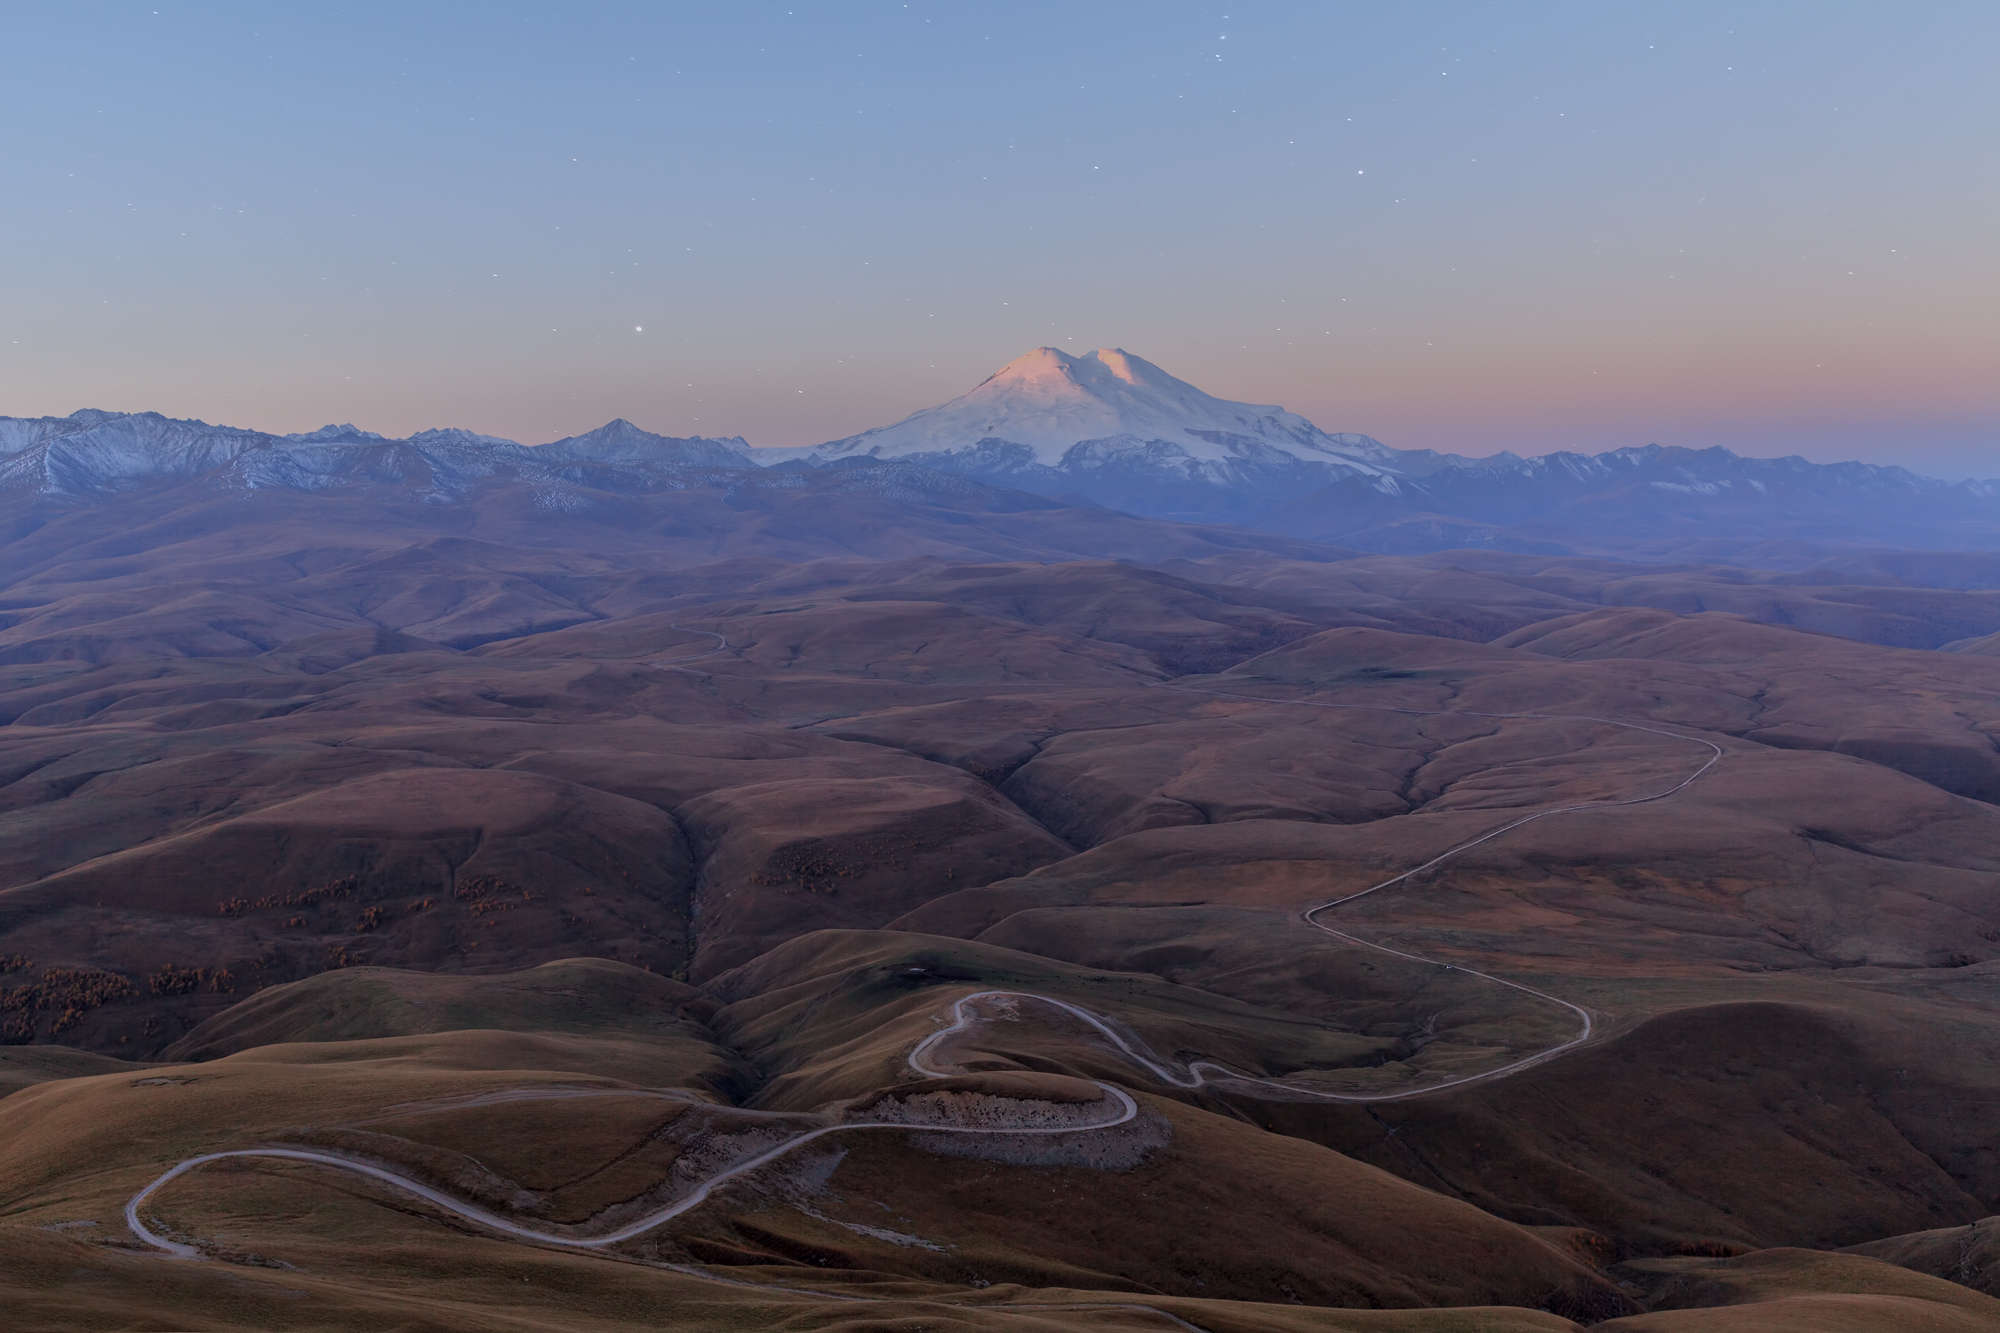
(91,451)
(1051,402)
(94,454)
(1649,503)
(1118,429)
(622,442)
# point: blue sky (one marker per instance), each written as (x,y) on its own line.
(1457,226)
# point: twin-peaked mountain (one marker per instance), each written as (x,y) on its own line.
(1123,432)
(1105,429)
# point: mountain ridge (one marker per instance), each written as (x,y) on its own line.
(95,454)
(1109,429)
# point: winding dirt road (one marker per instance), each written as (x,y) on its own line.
(671,663)
(1126,1110)
(964,1016)
(1198,1073)
(1586,1025)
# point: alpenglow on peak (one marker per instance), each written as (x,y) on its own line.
(1049,402)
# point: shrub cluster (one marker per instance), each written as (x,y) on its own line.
(338,888)
(174,980)
(70,992)
(171,980)
(816,867)
(486,894)
(481,887)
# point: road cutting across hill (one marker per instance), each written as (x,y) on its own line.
(964,1015)
(1198,1072)
(1310,916)
(1201,1072)
(1126,1111)
(670,663)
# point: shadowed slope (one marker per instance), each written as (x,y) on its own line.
(1799,1290)
(1968,1255)
(574,995)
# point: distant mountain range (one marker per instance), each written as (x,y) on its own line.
(94,455)
(1105,429)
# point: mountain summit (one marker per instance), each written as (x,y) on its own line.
(620,441)
(1118,429)
(1051,402)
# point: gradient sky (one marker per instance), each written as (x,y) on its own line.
(1451,225)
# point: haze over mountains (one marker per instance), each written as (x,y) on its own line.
(1106,429)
